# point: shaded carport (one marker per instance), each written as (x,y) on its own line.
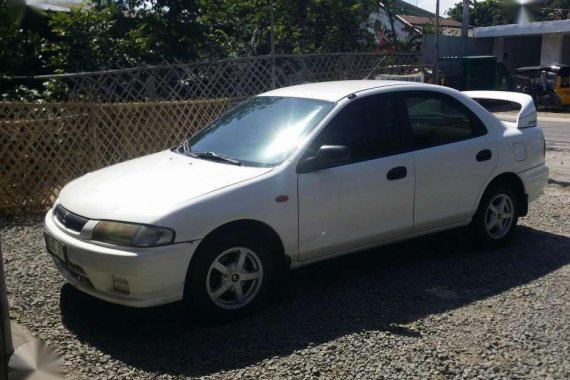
(536,43)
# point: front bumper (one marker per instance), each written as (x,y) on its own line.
(155,275)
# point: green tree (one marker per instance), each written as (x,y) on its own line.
(305,26)
(555,10)
(105,34)
(234,28)
(332,26)
(486,12)
(497,12)
(126,32)
(174,28)
(92,38)
(19,46)
(430,28)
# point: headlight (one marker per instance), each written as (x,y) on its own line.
(135,235)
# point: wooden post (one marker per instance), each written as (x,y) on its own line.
(6,348)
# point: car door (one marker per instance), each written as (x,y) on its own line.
(369,197)
(453,158)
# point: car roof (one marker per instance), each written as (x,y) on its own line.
(335,90)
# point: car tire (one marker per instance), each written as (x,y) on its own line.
(230,276)
(495,221)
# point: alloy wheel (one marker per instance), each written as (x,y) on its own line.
(499,216)
(234,278)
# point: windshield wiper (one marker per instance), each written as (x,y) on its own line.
(214,156)
(184,148)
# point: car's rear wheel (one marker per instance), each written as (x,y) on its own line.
(230,277)
(496,218)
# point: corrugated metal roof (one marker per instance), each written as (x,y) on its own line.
(419,20)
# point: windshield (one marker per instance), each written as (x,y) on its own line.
(262,131)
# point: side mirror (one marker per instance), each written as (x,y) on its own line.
(326,157)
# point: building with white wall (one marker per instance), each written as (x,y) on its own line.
(409,22)
(529,44)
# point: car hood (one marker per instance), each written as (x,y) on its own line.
(147,188)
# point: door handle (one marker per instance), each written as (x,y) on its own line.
(484,155)
(397,173)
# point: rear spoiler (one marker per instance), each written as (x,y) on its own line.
(527,114)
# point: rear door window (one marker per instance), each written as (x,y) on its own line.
(437,119)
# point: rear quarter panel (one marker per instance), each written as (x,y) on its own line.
(510,140)
(519,150)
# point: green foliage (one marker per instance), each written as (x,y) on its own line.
(93,39)
(233,29)
(555,10)
(486,12)
(19,48)
(325,26)
(205,29)
(430,28)
(172,28)
(498,12)
(308,26)
(105,34)
(48,90)
(131,31)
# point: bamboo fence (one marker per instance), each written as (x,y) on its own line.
(44,146)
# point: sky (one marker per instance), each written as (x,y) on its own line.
(430,4)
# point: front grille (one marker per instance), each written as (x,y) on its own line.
(69,220)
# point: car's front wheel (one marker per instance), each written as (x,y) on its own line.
(230,277)
(496,218)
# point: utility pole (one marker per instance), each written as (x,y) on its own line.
(6,348)
(272,22)
(465,19)
(436,57)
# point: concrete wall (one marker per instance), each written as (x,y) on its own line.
(455,46)
(499,48)
(551,49)
(566,50)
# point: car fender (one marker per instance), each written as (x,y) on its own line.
(270,199)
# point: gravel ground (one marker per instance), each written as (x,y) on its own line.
(559,163)
(431,308)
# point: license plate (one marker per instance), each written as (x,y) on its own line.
(55,248)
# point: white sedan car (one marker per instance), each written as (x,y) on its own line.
(291,177)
